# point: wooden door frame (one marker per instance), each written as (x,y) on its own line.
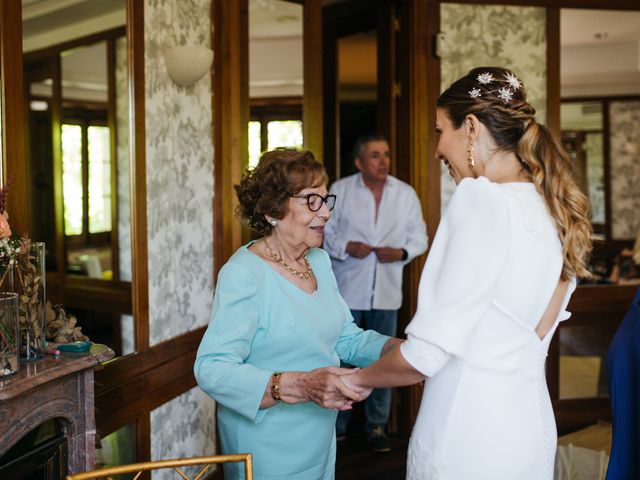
(312,112)
(13,127)
(340,20)
(419,85)
(230,102)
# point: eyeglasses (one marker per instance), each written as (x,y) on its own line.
(315,201)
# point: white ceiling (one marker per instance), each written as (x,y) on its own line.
(50,22)
(274,18)
(579,27)
(600,52)
(589,65)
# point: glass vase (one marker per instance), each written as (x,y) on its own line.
(29,282)
(9,334)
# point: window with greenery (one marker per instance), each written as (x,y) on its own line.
(86,180)
(99,166)
(72,190)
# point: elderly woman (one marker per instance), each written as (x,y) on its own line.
(279,328)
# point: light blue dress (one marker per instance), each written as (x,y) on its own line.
(262,323)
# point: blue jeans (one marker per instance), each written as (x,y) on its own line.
(378,406)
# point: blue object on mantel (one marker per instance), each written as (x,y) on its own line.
(75,347)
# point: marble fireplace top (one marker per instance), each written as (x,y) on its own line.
(49,368)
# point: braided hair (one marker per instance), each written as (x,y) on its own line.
(498,99)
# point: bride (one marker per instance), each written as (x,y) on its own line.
(495,286)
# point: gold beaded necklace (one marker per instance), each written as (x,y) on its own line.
(278,259)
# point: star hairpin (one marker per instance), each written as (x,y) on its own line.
(513,81)
(505,94)
(475,93)
(485,78)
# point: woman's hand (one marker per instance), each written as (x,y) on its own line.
(323,386)
(351,381)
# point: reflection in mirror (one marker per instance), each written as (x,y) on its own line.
(117,448)
(600,110)
(600,123)
(275,76)
(78,159)
(582,137)
(87,163)
(582,361)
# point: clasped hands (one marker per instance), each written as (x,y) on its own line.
(335,387)
(384,254)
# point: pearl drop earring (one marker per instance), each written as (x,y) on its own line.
(273,222)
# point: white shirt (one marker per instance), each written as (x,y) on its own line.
(366,283)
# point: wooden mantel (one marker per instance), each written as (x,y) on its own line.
(54,388)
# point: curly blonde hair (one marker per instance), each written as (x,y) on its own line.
(266,189)
(511,121)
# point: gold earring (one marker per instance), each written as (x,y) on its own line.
(470,159)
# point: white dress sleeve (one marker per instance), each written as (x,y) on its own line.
(468,254)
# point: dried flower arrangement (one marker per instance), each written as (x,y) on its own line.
(31,309)
(59,327)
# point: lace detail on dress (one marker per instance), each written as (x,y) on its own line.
(421,464)
(532,213)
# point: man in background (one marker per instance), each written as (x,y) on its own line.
(376,228)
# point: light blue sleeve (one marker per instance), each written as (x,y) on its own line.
(220,367)
(355,346)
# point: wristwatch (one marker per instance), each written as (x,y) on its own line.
(405,254)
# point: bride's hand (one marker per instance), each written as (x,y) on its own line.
(351,381)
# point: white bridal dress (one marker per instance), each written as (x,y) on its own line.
(492,270)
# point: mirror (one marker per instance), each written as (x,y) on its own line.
(275,76)
(77,114)
(599,121)
(600,125)
(582,137)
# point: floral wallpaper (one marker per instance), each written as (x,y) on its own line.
(624,118)
(179,175)
(179,156)
(180,424)
(123,182)
(122,158)
(513,37)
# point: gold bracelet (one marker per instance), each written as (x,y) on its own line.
(275,386)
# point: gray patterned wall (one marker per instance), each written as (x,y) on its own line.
(123,181)
(624,121)
(179,160)
(179,174)
(179,425)
(493,35)
(122,158)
